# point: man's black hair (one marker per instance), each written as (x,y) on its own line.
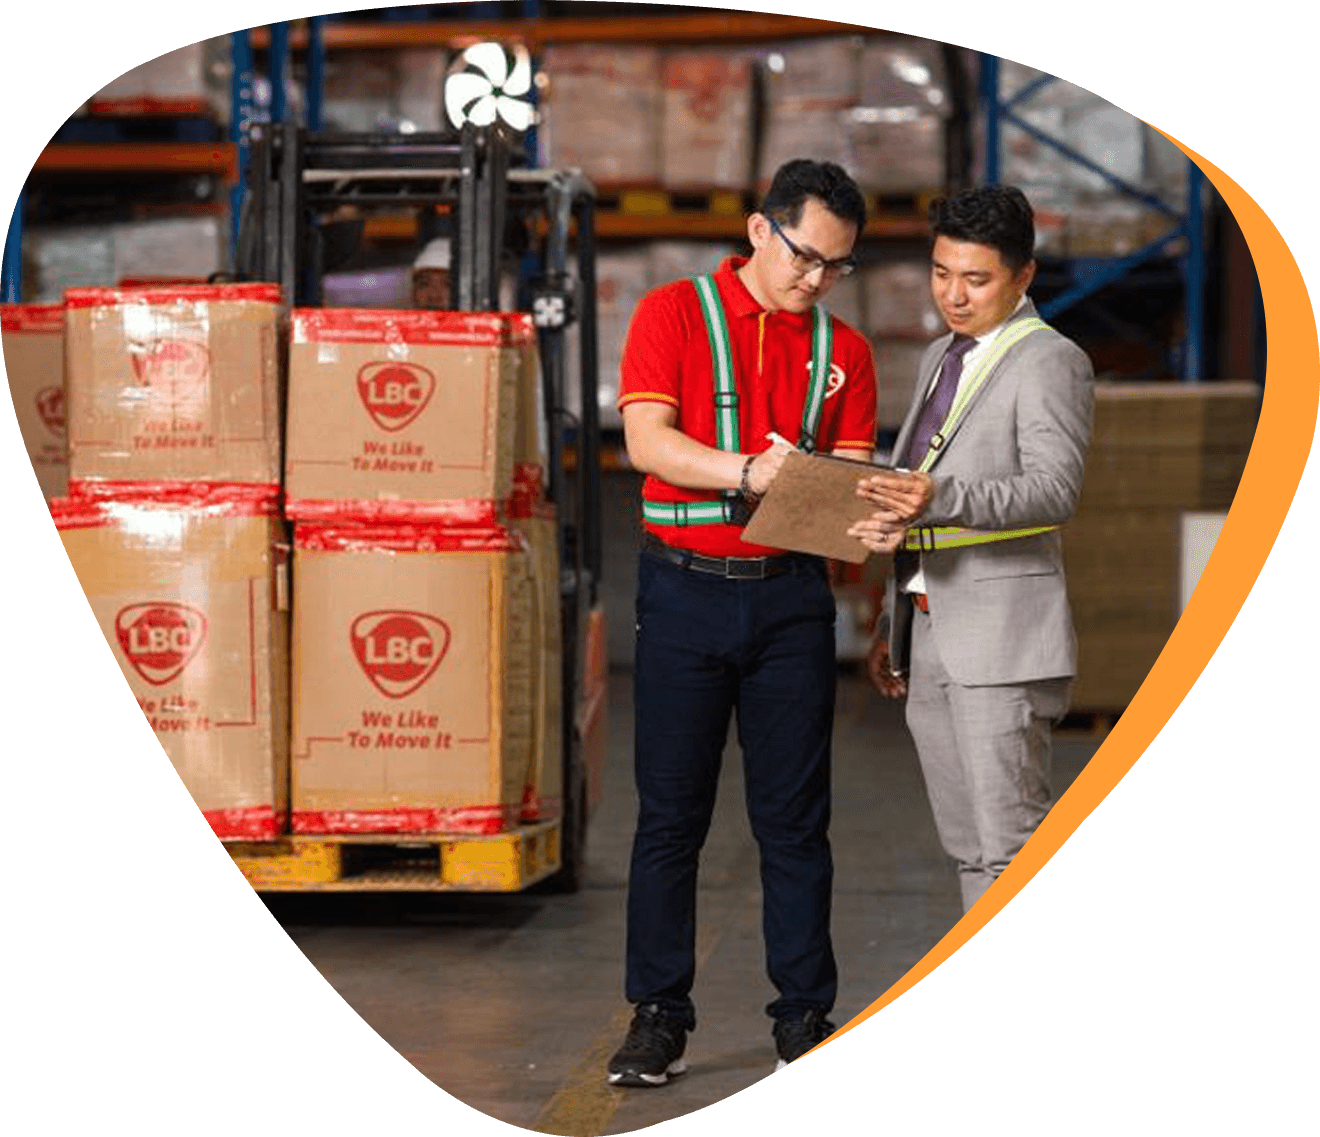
(802,178)
(998,216)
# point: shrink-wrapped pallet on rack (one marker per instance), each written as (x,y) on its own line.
(895,130)
(189,585)
(706,123)
(809,87)
(601,111)
(33,338)
(189,81)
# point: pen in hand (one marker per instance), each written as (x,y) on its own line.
(780,438)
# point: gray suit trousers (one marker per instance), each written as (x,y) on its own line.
(985,754)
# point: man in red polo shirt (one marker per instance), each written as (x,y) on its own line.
(711,369)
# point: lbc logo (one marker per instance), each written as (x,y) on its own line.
(159,639)
(399,651)
(394,393)
(50,406)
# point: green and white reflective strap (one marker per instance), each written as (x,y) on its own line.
(1009,338)
(727,431)
(929,538)
(682,513)
(822,353)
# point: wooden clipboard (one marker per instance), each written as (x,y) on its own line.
(811,505)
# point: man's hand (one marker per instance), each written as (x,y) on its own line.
(905,495)
(766,466)
(889,684)
(882,532)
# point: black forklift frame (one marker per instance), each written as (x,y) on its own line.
(298,184)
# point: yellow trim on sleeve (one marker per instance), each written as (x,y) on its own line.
(646,397)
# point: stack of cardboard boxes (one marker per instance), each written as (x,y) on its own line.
(1158,450)
(172,525)
(33,339)
(426,687)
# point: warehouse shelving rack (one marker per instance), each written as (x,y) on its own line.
(1189,226)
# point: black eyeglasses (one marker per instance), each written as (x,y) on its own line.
(805,263)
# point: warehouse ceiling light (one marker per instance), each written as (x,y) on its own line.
(488,83)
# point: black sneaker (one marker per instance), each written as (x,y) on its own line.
(653,1051)
(794,1037)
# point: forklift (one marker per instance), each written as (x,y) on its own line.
(308,199)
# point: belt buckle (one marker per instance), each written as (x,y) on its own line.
(745,568)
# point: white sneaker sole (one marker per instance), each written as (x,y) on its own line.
(636,1078)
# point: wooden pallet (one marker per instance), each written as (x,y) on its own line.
(392,862)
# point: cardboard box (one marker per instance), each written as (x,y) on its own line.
(706,132)
(192,598)
(543,791)
(405,416)
(33,337)
(412,678)
(174,384)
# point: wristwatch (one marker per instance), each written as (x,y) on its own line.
(745,484)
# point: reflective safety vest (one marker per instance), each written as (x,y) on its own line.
(730,509)
(929,538)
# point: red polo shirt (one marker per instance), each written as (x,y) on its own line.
(666,359)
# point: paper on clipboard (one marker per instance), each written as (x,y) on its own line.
(810,507)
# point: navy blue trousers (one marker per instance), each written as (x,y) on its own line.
(709,648)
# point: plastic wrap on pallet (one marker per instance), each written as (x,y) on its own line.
(796,128)
(33,339)
(67,256)
(385,90)
(825,70)
(178,247)
(895,150)
(903,72)
(706,108)
(601,111)
(678,260)
(174,384)
(57,258)
(194,604)
(898,300)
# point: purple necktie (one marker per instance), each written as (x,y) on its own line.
(937,405)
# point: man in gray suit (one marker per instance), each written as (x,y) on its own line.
(980,638)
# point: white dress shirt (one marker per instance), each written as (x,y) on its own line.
(917,581)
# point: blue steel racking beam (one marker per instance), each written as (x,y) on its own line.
(278,68)
(315,98)
(11,266)
(1191,225)
(240,126)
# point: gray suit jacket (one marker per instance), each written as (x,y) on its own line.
(999,612)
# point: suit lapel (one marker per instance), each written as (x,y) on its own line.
(1027,310)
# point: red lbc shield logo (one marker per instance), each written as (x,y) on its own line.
(50,406)
(399,651)
(176,371)
(160,638)
(394,393)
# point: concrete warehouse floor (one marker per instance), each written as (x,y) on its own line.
(514,1003)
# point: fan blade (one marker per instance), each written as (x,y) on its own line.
(462,89)
(519,81)
(489,58)
(515,112)
(482,112)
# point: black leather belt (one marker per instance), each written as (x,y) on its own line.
(735,568)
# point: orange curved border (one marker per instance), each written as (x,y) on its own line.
(1269,481)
